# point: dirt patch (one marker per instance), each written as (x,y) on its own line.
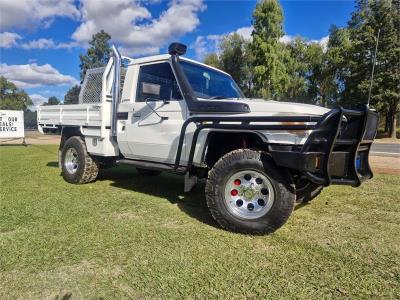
(385,164)
(125,216)
(33,138)
(387,141)
(63,282)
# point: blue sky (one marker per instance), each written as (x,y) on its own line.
(41,40)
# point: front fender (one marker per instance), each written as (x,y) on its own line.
(203,142)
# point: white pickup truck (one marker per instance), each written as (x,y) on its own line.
(169,113)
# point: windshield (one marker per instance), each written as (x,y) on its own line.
(210,84)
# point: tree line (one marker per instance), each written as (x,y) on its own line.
(338,73)
(335,74)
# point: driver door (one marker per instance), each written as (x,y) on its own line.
(152,129)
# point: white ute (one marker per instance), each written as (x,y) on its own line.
(170,113)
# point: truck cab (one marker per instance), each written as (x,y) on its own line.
(170,113)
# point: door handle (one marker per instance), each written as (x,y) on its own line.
(137,115)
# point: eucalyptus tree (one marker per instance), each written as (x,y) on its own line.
(271,76)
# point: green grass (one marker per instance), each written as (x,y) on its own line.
(127,236)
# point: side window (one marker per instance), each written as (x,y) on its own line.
(157,82)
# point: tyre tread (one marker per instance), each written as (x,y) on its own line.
(90,166)
(212,185)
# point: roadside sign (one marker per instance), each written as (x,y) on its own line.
(11,124)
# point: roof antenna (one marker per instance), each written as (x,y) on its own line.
(373,67)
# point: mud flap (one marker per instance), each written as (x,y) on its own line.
(190,182)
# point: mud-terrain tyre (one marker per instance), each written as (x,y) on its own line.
(76,164)
(147,172)
(307,190)
(247,193)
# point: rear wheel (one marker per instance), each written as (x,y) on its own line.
(247,193)
(77,165)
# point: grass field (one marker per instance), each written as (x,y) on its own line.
(127,236)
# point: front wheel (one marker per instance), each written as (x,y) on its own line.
(246,193)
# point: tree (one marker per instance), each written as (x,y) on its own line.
(52,101)
(322,80)
(385,17)
(212,59)
(11,97)
(369,18)
(336,68)
(98,53)
(298,69)
(248,86)
(72,96)
(30,119)
(234,58)
(270,55)
(311,79)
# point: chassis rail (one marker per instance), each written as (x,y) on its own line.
(336,151)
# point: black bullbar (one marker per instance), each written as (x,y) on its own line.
(336,151)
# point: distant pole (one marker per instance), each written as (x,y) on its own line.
(373,67)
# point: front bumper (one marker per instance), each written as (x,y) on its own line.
(337,150)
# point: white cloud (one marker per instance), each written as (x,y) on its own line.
(209,44)
(206,44)
(323,42)
(137,32)
(27,13)
(132,26)
(245,32)
(37,101)
(34,75)
(287,39)
(9,39)
(39,44)
(47,44)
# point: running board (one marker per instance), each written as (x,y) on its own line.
(152,166)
